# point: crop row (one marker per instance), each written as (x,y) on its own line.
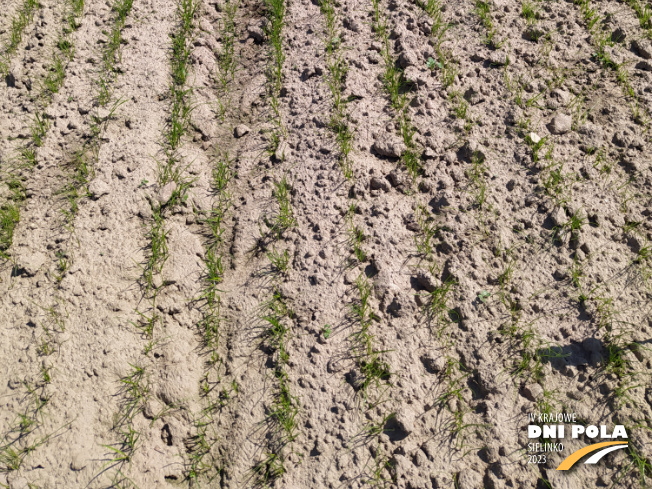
(24,436)
(20,21)
(277,316)
(534,352)
(136,386)
(202,463)
(26,160)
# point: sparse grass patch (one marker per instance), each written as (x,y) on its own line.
(39,129)
(284,218)
(601,40)
(201,463)
(279,260)
(111,51)
(226,59)
(27,156)
(9,217)
(158,249)
(555,183)
(529,12)
(644,13)
(281,417)
(19,23)
(275,12)
(428,229)
(135,386)
(374,370)
(639,462)
(20,439)
(455,377)
(356,235)
(337,69)
(477,176)
(439,314)
(396,88)
(483,11)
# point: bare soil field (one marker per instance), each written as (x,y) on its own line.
(324,243)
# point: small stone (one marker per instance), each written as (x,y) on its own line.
(473,149)
(165,193)
(470,479)
(427,281)
(614,54)
(644,48)
(384,285)
(558,216)
(473,96)
(560,274)
(533,392)
(405,421)
(644,65)
(256,33)
(240,130)
(282,151)
(19,483)
(319,448)
(433,363)
(77,461)
(145,212)
(206,26)
(560,124)
(31,263)
(408,58)
(413,75)
(618,35)
(356,379)
(11,80)
(204,56)
(395,178)
(392,149)
(498,58)
(379,184)
(351,276)
(98,188)
(534,137)
(621,139)
(450,157)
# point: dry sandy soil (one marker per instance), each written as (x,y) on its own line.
(297,244)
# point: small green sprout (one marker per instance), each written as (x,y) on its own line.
(432,64)
(327,330)
(483,295)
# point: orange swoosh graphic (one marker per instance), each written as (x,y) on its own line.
(575,456)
